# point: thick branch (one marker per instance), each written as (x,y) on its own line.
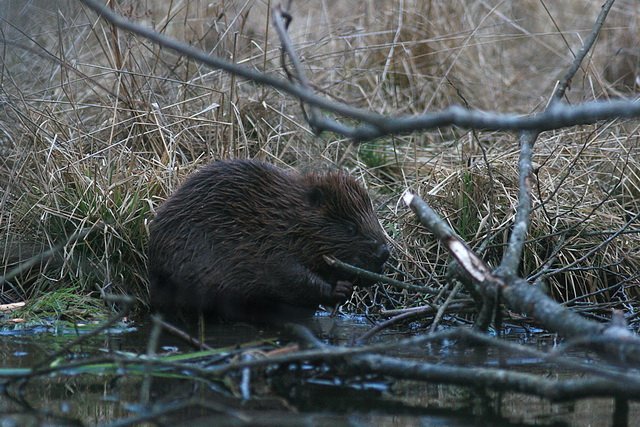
(468,260)
(497,379)
(513,252)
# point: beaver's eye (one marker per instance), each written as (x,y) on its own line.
(351,228)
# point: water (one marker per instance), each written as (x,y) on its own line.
(288,395)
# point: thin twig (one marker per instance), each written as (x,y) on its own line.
(278,15)
(364,274)
(582,53)
(407,314)
(443,308)
(176,332)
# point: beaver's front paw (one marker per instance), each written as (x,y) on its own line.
(342,291)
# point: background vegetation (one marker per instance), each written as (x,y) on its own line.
(97,127)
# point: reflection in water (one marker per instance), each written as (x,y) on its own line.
(285,395)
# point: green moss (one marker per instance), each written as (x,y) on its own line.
(66,304)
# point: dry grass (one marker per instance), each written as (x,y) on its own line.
(97,127)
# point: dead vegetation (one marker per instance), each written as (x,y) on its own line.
(98,126)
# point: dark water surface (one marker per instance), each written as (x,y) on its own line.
(300,395)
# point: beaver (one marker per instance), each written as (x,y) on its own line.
(245,240)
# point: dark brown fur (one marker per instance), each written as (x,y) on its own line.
(244,240)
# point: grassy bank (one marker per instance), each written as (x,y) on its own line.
(97,127)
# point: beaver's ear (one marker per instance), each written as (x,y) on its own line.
(316,197)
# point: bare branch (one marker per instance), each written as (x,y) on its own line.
(277,16)
(513,253)
(470,262)
(586,47)
(376,125)
(359,272)
(518,294)
(486,377)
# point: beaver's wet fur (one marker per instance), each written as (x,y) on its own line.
(244,240)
